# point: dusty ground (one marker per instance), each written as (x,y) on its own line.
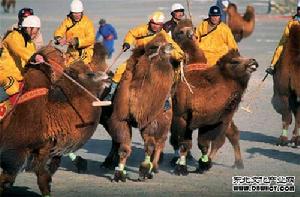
(259,130)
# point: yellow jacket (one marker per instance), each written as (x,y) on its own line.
(15,55)
(216,43)
(283,40)
(141,35)
(84,31)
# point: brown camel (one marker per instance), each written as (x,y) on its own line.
(241,26)
(217,91)
(286,87)
(6,4)
(139,102)
(60,120)
(197,61)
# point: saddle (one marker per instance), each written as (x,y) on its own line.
(6,106)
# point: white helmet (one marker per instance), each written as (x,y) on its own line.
(76,6)
(31,21)
(176,6)
(298,5)
(225,3)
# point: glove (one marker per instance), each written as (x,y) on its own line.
(125,46)
(270,70)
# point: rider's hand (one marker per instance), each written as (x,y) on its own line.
(125,46)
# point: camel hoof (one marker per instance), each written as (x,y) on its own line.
(204,166)
(238,164)
(283,141)
(145,172)
(155,170)
(295,142)
(120,175)
(81,164)
(173,161)
(181,170)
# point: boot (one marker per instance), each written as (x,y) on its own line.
(111,93)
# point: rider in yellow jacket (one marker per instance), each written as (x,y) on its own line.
(77,30)
(215,37)
(282,42)
(140,36)
(18,48)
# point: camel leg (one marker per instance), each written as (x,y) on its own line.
(121,133)
(145,170)
(233,135)
(43,171)
(295,141)
(216,145)
(178,129)
(286,121)
(112,159)
(204,162)
(11,163)
(185,141)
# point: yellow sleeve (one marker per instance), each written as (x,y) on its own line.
(281,43)
(61,30)
(15,43)
(89,37)
(177,52)
(130,36)
(199,31)
(231,43)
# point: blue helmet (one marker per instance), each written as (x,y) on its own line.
(214,11)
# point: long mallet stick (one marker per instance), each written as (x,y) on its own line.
(115,60)
(254,95)
(95,103)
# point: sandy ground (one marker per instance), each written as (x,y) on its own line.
(259,130)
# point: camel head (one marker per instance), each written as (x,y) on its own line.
(159,47)
(231,9)
(236,67)
(183,30)
(95,82)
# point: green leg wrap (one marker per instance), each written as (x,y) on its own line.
(284,132)
(181,161)
(148,161)
(72,156)
(204,158)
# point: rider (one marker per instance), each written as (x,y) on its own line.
(177,13)
(140,36)
(214,36)
(76,31)
(294,21)
(23,13)
(18,49)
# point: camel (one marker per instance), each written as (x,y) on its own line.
(58,120)
(6,4)
(196,62)
(216,94)
(139,102)
(286,87)
(241,26)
